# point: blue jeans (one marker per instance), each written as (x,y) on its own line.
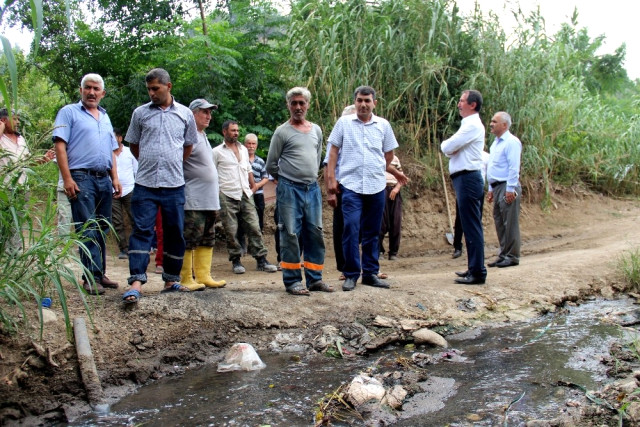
(362,218)
(469,194)
(92,203)
(300,211)
(144,207)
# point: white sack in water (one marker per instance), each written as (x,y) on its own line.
(241,357)
(364,388)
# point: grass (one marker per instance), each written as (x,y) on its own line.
(629,267)
(37,259)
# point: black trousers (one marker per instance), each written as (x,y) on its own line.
(391,222)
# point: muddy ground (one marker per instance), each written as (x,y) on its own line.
(569,251)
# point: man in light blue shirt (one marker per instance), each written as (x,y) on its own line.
(85,144)
(464,150)
(365,144)
(503,173)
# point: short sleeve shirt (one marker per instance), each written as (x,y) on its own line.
(362,148)
(201,178)
(259,169)
(90,141)
(161,136)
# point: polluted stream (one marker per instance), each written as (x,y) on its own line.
(505,374)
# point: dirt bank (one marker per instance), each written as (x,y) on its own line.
(569,251)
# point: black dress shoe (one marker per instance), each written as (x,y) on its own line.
(462,273)
(457,253)
(495,263)
(349,284)
(470,280)
(375,282)
(507,263)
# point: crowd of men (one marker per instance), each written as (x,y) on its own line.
(171,171)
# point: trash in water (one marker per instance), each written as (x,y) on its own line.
(241,357)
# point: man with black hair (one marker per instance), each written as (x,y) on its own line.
(464,150)
(161,136)
(365,144)
(237,208)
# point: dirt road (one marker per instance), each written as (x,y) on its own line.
(568,252)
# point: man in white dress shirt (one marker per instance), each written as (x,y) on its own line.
(464,150)
(503,173)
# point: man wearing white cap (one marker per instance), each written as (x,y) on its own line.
(201,203)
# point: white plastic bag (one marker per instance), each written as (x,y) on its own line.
(241,357)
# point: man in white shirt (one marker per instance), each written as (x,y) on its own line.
(121,206)
(237,208)
(464,150)
(503,173)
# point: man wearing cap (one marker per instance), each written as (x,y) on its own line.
(161,136)
(85,145)
(201,203)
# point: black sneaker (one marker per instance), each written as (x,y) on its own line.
(237,266)
(264,265)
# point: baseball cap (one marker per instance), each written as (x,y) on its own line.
(202,104)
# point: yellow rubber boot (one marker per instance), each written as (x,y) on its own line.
(202,267)
(186,275)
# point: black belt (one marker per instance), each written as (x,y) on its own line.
(494,183)
(460,173)
(97,174)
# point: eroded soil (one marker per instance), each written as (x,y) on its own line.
(569,251)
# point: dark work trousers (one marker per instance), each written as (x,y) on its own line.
(506,218)
(338,226)
(121,208)
(391,222)
(469,194)
(457,227)
(258,200)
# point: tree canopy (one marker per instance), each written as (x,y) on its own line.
(575,110)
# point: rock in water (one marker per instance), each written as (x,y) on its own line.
(427,336)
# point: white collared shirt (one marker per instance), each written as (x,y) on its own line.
(127,170)
(233,174)
(464,148)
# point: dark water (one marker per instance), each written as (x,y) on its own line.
(520,362)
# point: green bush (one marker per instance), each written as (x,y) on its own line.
(40,260)
(629,266)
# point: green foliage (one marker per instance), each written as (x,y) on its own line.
(575,111)
(571,108)
(629,267)
(40,259)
